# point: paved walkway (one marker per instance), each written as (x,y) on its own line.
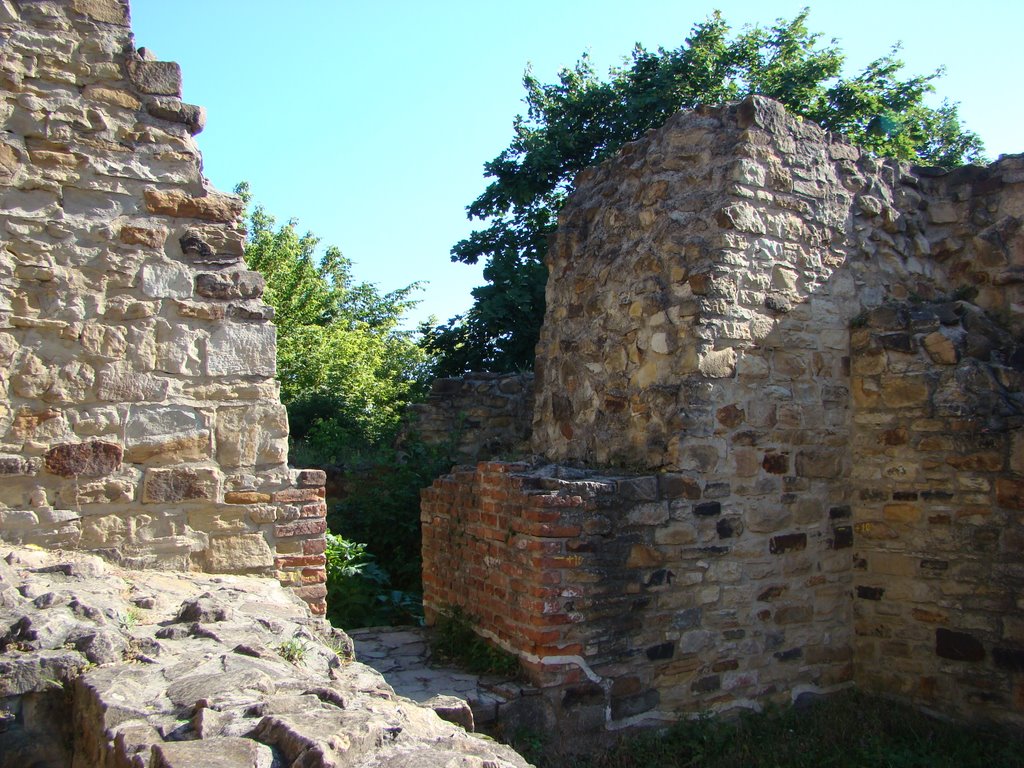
(402,655)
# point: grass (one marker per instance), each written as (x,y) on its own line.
(848,730)
(293,650)
(453,641)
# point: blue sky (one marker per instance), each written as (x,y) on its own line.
(370,122)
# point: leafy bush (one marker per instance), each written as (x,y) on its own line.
(359,592)
(381,507)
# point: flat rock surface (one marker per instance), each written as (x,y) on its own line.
(182,669)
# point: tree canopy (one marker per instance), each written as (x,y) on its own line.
(347,369)
(582,119)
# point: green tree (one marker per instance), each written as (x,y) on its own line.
(347,369)
(582,119)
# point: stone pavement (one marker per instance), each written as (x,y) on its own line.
(402,655)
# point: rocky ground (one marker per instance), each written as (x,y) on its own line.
(101,666)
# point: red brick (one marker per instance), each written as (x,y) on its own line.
(294,561)
(317,509)
(314,575)
(293,495)
(318,607)
(311,527)
(314,547)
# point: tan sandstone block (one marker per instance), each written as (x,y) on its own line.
(244,552)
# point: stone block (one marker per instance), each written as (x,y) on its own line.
(180,484)
(237,284)
(236,349)
(157,78)
(239,553)
(822,463)
(107,11)
(212,207)
(93,458)
(253,435)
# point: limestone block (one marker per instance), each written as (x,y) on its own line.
(105,341)
(180,484)
(121,383)
(235,349)
(178,349)
(166,433)
(719,364)
(189,115)
(251,435)
(166,279)
(237,284)
(108,11)
(151,237)
(159,78)
(213,207)
(238,554)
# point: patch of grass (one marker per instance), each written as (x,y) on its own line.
(453,641)
(293,650)
(847,730)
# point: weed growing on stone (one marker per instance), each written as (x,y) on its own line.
(293,650)
(848,730)
(453,641)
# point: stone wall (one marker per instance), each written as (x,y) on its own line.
(139,416)
(480,415)
(630,599)
(939,457)
(811,358)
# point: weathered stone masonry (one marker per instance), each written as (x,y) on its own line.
(812,358)
(139,416)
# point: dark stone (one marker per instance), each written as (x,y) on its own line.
(730,416)
(717,490)
(261,313)
(311,478)
(201,252)
(659,577)
(904,496)
(870,593)
(873,494)
(90,459)
(14,465)
(687,619)
(708,509)
(584,694)
(934,565)
(707,684)
(661,651)
(724,528)
(174,110)
(936,495)
(238,284)
(776,463)
(840,513)
(734,634)
(777,304)
(791,655)
(715,550)
(204,608)
(628,706)
(639,604)
(924,319)
(771,593)
(639,489)
(958,646)
(789,542)
(1009,658)
(674,486)
(843,537)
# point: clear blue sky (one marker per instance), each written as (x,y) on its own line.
(369,122)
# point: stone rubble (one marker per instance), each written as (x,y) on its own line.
(103,667)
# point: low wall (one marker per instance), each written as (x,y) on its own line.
(633,599)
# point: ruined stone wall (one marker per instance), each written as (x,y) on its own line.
(939,458)
(479,416)
(139,416)
(812,512)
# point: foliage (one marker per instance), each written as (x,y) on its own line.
(453,641)
(847,730)
(381,505)
(293,651)
(359,591)
(583,119)
(346,368)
